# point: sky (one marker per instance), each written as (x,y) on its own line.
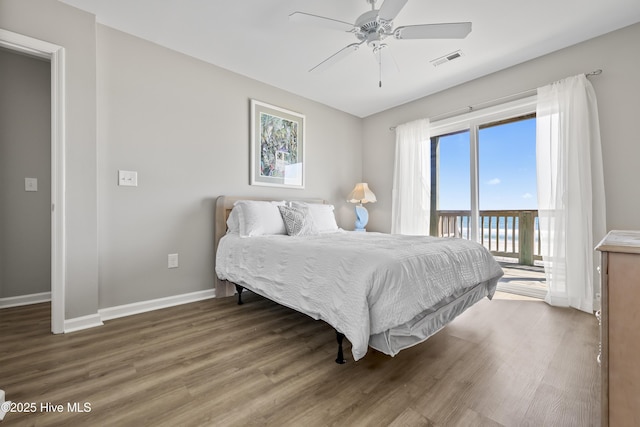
(507,172)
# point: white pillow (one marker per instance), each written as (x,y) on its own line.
(233,222)
(257,218)
(324,220)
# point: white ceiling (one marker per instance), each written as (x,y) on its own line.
(255,38)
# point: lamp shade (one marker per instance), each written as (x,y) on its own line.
(361,194)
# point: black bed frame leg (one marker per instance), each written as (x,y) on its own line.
(239,289)
(340,359)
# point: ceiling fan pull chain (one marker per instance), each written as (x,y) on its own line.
(380,68)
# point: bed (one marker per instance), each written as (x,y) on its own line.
(388,292)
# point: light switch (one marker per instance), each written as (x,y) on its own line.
(31,184)
(173,261)
(128,178)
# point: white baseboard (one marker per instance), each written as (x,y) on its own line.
(25,300)
(154,304)
(93,320)
(82,322)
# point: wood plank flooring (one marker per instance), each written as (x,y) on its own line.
(507,362)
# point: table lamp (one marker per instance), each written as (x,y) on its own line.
(361,194)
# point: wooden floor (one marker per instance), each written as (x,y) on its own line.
(504,362)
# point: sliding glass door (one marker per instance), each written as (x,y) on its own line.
(484,178)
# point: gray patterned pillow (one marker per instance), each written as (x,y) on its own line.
(296,221)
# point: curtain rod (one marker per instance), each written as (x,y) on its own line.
(515,95)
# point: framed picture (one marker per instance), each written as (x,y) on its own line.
(277,146)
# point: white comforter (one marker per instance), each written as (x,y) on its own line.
(359,283)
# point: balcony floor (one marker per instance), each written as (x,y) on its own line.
(522,279)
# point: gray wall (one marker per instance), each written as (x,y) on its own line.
(75,30)
(25,151)
(183,125)
(617,89)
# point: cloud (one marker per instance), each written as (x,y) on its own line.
(494,181)
(527,196)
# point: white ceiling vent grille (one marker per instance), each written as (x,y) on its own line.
(447,58)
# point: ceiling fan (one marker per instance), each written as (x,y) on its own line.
(376,25)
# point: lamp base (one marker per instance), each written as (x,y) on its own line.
(362,217)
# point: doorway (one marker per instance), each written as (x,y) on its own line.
(55,55)
(25,173)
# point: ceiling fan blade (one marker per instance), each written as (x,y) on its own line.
(336,57)
(455,30)
(390,9)
(320,21)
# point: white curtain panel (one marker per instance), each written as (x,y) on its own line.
(411,195)
(571,201)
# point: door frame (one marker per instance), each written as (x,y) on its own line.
(55,54)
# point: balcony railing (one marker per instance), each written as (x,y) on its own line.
(506,233)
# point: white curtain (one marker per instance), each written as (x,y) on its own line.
(411,195)
(571,200)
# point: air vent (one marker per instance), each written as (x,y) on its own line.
(447,58)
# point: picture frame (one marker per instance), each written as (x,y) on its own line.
(277,146)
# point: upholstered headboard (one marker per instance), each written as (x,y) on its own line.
(224,204)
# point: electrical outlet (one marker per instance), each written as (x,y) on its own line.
(173,261)
(128,178)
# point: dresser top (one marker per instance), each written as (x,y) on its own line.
(626,241)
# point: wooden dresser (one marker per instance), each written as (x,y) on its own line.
(620,328)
